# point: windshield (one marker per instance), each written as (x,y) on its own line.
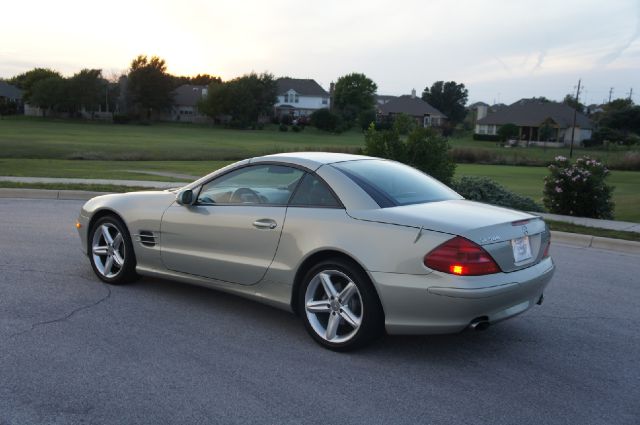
(391,183)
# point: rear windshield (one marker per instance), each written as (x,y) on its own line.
(391,183)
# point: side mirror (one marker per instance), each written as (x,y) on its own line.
(185,197)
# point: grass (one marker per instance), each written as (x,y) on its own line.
(116,170)
(593,231)
(25,137)
(528,181)
(536,154)
(60,186)
(35,147)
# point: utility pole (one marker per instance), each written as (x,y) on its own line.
(631,93)
(610,93)
(575,113)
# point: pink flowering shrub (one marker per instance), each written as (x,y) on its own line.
(578,189)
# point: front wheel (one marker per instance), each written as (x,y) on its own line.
(339,306)
(112,257)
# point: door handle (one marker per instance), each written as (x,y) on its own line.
(265,223)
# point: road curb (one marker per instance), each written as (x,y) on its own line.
(573,239)
(78,195)
(587,241)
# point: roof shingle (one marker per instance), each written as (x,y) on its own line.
(305,87)
(409,105)
(528,113)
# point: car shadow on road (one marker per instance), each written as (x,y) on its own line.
(221,307)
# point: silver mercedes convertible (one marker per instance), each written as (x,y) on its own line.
(352,244)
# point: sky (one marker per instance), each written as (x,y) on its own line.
(502,50)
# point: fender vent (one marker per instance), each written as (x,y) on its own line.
(147,238)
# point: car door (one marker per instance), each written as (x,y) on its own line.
(232,231)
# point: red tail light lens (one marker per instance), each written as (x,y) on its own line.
(462,257)
(546,249)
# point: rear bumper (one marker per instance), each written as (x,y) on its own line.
(441,303)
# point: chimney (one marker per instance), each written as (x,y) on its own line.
(413,93)
(481,112)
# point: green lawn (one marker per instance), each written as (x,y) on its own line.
(117,170)
(47,148)
(528,181)
(26,137)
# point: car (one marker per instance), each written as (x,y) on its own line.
(354,245)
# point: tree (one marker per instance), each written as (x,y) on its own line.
(245,99)
(619,121)
(508,132)
(149,85)
(198,80)
(49,93)
(449,98)
(423,149)
(404,123)
(27,80)
(324,119)
(86,89)
(353,94)
(571,100)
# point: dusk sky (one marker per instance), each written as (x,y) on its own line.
(502,50)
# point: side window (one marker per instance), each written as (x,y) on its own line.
(313,192)
(257,184)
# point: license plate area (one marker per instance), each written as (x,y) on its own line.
(521,249)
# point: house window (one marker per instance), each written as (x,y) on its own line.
(286,98)
(325,100)
(297,98)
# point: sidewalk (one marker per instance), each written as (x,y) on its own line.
(594,222)
(140,183)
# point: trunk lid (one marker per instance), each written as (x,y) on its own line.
(500,231)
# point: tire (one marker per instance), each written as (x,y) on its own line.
(339,305)
(111,251)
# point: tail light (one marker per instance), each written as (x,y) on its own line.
(462,257)
(547,247)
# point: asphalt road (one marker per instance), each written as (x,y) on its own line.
(73,350)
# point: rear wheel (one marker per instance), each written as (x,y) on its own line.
(112,257)
(339,305)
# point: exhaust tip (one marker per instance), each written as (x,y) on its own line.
(479,324)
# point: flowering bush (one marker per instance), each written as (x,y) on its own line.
(578,189)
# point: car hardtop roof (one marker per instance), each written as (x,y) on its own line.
(311,160)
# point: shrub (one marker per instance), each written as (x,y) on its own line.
(121,119)
(508,132)
(365,118)
(296,128)
(283,127)
(404,124)
(429,152)
(286,119)
(630,162)
(423,149)
(578,189)
(324,119)
(486,137)
(483,189)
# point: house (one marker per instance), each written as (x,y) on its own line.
(381,99)
(424,114)
(10,98)
(538,122)
(300,97)
(185,104)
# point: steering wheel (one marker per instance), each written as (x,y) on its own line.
(244,194)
